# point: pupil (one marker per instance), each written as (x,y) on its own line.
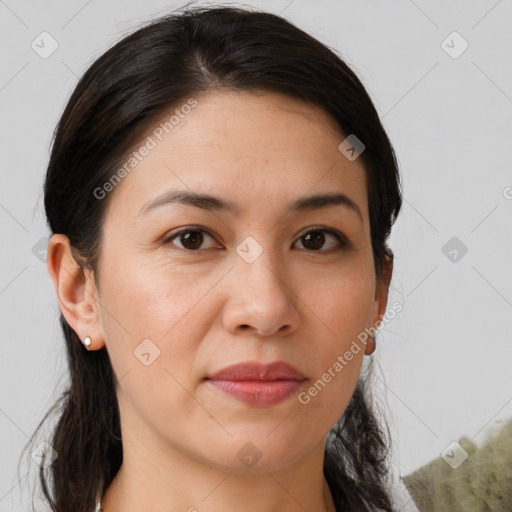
(193,238)
(317,238)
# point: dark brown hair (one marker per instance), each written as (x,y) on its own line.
(143,76)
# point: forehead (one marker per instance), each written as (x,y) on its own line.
(248,147)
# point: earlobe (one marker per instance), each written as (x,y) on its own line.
(369,348)
(75,290)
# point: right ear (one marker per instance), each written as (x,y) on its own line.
(75,289)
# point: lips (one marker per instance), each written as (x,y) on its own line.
(257,384)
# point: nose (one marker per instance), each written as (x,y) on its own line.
(261,299)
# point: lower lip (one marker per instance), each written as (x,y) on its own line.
(258,393)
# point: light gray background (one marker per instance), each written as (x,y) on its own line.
(446,357)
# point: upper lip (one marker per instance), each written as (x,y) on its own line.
(253,370)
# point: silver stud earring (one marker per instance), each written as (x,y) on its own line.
(87,342)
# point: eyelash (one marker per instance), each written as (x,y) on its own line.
(343,241)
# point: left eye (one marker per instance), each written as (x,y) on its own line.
(313,240)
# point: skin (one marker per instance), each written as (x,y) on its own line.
(304,303)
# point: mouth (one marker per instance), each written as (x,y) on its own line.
(258,384)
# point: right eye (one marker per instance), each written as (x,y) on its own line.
(190,238)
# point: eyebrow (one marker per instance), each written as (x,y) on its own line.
(210,202)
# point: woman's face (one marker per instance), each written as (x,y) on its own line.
(260,281)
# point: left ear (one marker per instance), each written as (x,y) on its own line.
(381,292)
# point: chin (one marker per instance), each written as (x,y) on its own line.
(259,455)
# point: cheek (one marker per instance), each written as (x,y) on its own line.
(344,306)
(157,318)
(341,312)
(150,299)
(152,335)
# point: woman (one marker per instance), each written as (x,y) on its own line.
(220,192)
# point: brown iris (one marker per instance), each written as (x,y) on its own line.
(316,239)
(193,238)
